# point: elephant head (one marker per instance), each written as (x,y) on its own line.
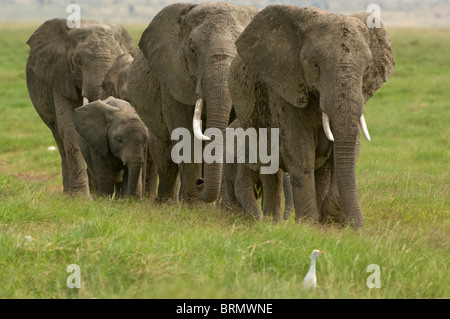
(307,53)
(115,81)
(190,48)
(113,127)
(75,60)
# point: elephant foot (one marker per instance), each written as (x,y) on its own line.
(81,193)
(192,199)
(332,212)
(274,214)
(287,214)
(308,214)
(255,215)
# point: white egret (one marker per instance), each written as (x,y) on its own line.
(310,280)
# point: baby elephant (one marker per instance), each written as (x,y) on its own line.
(114,144)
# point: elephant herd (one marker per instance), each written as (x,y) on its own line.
(112,107)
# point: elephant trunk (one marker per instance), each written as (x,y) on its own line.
(134,174)
(344,105)
(218,103)
(345,163)
(92,82)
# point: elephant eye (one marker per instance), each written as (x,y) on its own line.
(76,61)
(191,48)
(191,51)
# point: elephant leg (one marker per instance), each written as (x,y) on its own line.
(288,200)
(331,209)
(272,190)
(322,178)
(244,191)
(106,175)
(176,116)
(304,194)
(41,94)
(227,194)
(298,150)
(93,184)
(140,184)
(106,184)
(189,173)
(151,176)
(74,162)
(167,172)
(300,162)
(176,189)
(62,153)
(118,185)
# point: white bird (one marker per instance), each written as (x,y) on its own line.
(310,280)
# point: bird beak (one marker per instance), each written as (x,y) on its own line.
(321,252)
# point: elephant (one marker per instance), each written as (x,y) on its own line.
(114,143)
(187,51)
(242,184)
(309,72)
(64,70)
(115,80)
(115,85)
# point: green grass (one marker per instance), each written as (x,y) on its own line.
(141,250)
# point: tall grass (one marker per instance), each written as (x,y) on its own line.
(128,249)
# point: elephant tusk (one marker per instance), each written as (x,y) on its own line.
(85,101)
(326,126)
(363,124)
(197,121)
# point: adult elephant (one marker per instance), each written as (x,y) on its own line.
(309,72)
(65,69)
(187,52)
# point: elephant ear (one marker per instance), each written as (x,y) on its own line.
(48,56)
(92,124)
(270,46)
(124,38)
(247,92)
(162,44)
(382,65)
(115,80)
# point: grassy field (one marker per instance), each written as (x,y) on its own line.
(140,250)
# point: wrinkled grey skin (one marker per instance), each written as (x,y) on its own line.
(114,143)
(295,64)
(187,52)
(115,84)
(288,199)
(242,183)
(115,80)
(64,66)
